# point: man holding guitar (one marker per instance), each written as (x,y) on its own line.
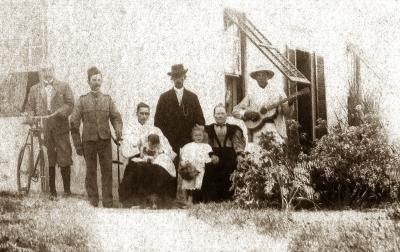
(265,109)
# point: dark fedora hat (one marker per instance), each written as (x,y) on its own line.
(177,70)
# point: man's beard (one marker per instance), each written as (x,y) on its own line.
(95,88)
(179,84)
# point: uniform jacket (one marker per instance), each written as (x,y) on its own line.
(96,112)
(176,122)
(62,101)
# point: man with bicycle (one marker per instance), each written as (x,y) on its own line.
(96,110)
(54,98)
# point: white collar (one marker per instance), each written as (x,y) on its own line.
(146,124)
(47,82)
(178,90)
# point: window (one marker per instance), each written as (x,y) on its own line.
(14,92)
(235,64)
(22,48)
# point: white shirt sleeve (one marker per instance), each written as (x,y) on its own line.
(165,146)
(239,110)
(129,144)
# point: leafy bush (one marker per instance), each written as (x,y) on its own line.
(271,179)
(355,165)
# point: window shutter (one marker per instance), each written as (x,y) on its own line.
(320,96)
(290,88)
(308,109)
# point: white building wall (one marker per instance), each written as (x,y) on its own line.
(135,43)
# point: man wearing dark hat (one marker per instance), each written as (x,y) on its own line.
(96,110)
(53,97)
(258,100)
(178,111)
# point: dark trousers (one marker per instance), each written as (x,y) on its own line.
(59,150)
(102,149)
(66,177)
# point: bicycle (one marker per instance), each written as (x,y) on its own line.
(27,172)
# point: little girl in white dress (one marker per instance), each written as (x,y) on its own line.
(196,154)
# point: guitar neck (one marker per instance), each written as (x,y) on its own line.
(290,98)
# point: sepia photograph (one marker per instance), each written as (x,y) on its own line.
(188,125)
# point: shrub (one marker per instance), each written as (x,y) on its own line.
(271,179)
(355,165)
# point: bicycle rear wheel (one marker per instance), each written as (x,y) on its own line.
(25,170)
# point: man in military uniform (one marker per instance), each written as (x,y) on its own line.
(96,110)
(53,97)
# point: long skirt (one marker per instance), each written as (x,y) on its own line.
(142,180)
(217,183)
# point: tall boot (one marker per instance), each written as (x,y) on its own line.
(66,177)
(52,181)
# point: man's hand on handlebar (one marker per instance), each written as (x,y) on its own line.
(30,120)
(118,135)
(79,150)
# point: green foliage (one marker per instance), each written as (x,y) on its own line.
(355,165)
(271,179)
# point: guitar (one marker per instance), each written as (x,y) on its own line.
(270,111)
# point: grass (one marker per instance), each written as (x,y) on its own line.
(311,231)
(37,224)
(268,222)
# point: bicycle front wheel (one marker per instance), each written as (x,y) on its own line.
(42,165)
(25,169)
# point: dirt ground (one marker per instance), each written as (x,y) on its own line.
(170,230)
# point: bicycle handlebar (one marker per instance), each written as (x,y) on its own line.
(41,118)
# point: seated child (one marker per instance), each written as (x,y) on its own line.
(151,148)
(151,151)
(195,154)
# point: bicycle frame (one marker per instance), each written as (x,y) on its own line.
(38,133)
(35,131)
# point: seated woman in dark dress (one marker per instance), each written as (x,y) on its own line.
(227,142)
(150,173)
